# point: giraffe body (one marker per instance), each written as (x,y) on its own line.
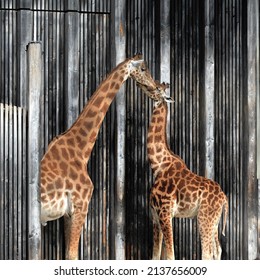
(66,187)
(178,192)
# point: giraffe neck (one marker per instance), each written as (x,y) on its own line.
(157,146)
(85,129)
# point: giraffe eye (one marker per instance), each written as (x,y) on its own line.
(143,68)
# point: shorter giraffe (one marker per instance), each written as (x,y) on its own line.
(177,191)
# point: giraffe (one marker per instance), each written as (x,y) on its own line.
(66,187)
(177,191)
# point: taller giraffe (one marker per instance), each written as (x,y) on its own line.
(66,187)
(177,191)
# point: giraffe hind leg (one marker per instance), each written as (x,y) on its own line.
(157,237)
(216,246)
(217,250)
(73,226)
(208,227)
(207,248)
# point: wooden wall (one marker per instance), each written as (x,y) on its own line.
(207,50)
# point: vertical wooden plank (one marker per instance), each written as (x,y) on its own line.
(15,186)
(13,47)
(258,98)
(2,209)
(2,98)
(10,201)
(71,62)
(250,126)
(19,183)
(24,32)
(234,117)
(5,198)
(209,89)
(9,190)
(258,137)
(24,186)
(165,53)
(258,242)
(258,127)
(24,4)
(34,147)
(118,52)
(72,5)
(7,62)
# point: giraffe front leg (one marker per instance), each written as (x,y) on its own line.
(166,227)
(74,222)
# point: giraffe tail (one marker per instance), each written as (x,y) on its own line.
(223,239)
(225,208)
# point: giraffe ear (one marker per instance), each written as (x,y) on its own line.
(137,63)
(138,56)
(166,85)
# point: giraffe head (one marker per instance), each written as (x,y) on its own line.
(139,71)
(158,94)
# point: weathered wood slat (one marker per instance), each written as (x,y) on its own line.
(11,183)
(2,178)
(119,54)
(252,88)
(35,100)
